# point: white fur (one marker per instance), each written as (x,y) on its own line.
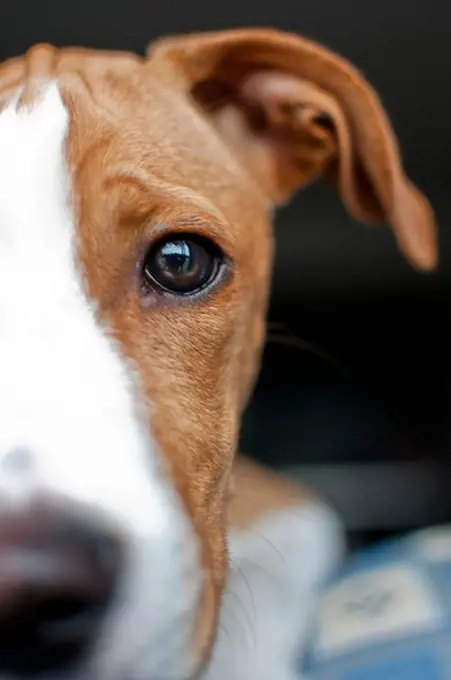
(70,421)
(71,428)
(277,566)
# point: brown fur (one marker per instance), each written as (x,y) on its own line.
(209,133)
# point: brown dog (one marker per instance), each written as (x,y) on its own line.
(136,202)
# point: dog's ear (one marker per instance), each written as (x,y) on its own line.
(293,112)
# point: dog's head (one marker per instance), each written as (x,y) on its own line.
(136,200)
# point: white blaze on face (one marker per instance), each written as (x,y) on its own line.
(68,399)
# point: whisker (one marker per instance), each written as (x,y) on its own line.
(279,334)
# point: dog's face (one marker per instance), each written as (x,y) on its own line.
(136,198)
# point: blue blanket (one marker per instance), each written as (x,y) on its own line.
(388,615)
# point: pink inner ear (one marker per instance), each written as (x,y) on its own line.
(279,94)
(268,88)
(265,89)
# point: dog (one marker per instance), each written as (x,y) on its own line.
(137,197)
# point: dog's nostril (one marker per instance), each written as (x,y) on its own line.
(56,580)
(45,634)
(65,618)
(61,609)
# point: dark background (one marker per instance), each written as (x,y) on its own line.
(361,405)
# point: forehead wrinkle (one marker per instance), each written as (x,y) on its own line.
(159,189)
(158,202)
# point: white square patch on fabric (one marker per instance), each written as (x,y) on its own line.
(434,544)
(373,607)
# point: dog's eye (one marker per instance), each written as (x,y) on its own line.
(182,264)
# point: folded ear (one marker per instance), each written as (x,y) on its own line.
(293,111)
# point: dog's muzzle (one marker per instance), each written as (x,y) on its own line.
(57,577)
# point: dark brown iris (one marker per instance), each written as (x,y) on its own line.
(181,264)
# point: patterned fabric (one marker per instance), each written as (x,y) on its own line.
(388,615)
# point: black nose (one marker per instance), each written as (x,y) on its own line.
(57,576)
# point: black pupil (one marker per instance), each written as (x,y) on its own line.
(181,265)
(176,258)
